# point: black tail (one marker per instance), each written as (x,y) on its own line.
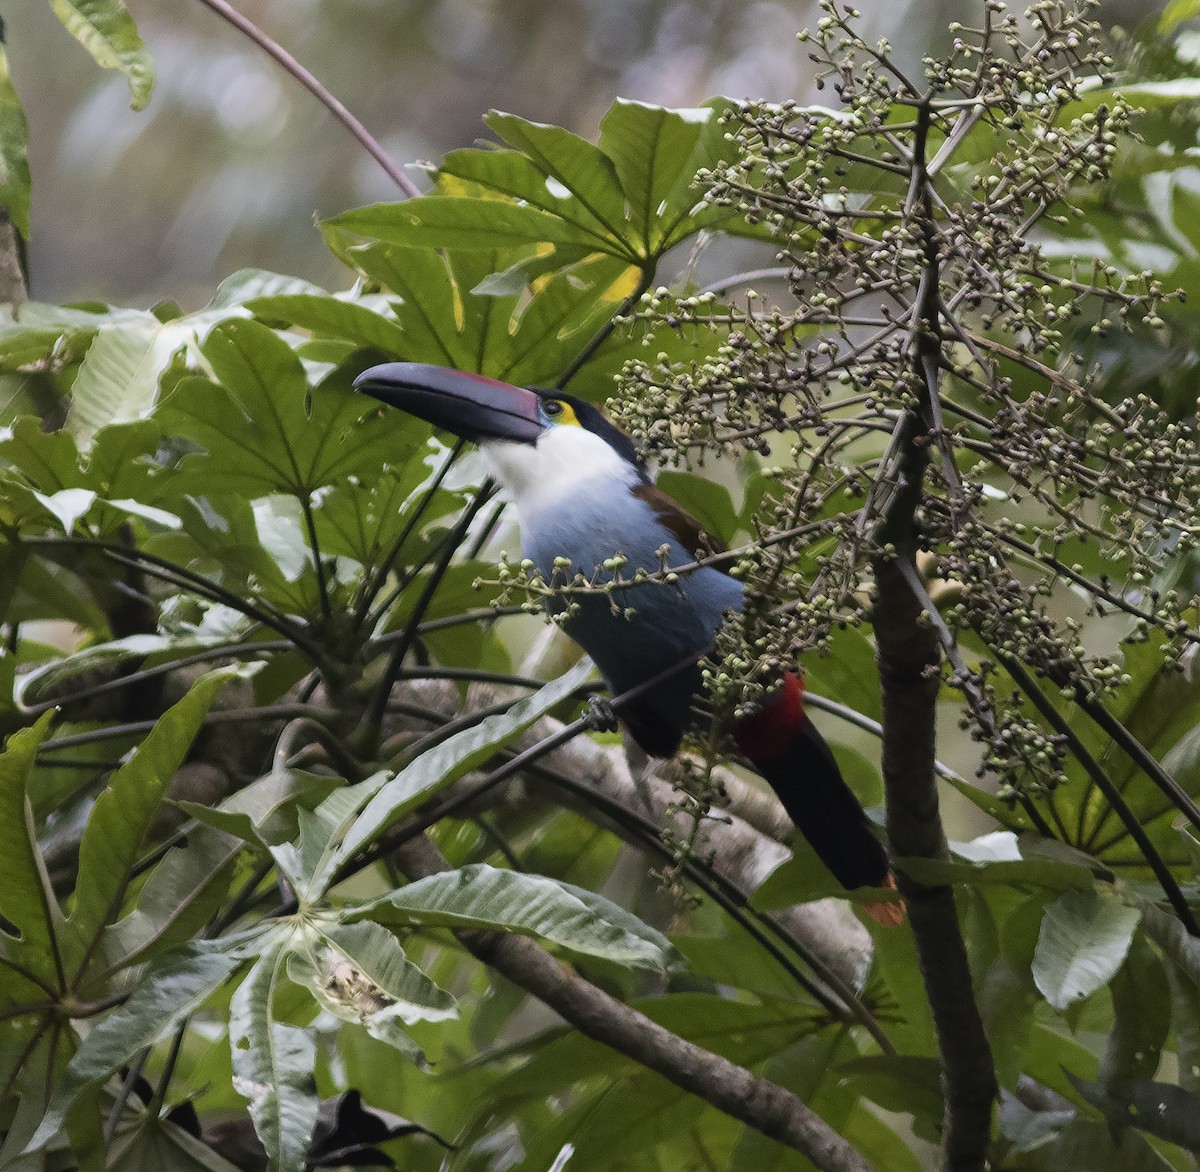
(806,779)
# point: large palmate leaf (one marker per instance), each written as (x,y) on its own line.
(118,379)
(364,521)
(152,1143)
(177,899)
(120,464)
(448,317)
(359,972)
(334,316)
(55,678)
(632,197)
(37,336)
(1160,708)
(171,989)
(222,536)
(1141,1019)
(264,430)
(311,862)
(657,153)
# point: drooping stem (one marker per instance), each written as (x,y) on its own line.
(309,81)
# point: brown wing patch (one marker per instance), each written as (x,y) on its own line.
(679,521)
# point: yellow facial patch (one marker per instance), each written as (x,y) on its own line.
(558,411)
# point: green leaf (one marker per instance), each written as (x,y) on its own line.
(14,162)
(1160,1108)
(1007,996)
(60,677)
(118,378)
(653,149)
(26,898)
(327,316)
(564,313)
(124,812)
(157,1144)
(310,865)
(1141,1020)
(364,521)
(273,1066)
(707,501)
(526,335)
(479,896)
(247,284)
(107,31)
(894,965)
(31,333)
(809,1068)
(901,1082)
(453,223)
(1176,13)
(1084,1144)
(1010,816)
(1084,940)
(178,898)
(632,197)
(1185,1018)
(847,674)
(576,165)
(263,813)
(263,429)
(433,291)
(1052,873)
(743,1031)
(1160,707)
(454,758)
(171,989)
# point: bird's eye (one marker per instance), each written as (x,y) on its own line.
(552,407)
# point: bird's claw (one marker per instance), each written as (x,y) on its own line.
(600,715)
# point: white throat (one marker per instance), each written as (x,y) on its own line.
(547,474)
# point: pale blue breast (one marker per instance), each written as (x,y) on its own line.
(669,622)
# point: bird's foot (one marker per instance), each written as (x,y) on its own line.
(600,715)
(888,913)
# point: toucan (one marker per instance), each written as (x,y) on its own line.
(586,505)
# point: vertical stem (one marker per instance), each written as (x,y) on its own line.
(391,672)
(908,652)
(310,524)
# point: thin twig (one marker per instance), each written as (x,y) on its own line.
(450,545)
(379,572)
